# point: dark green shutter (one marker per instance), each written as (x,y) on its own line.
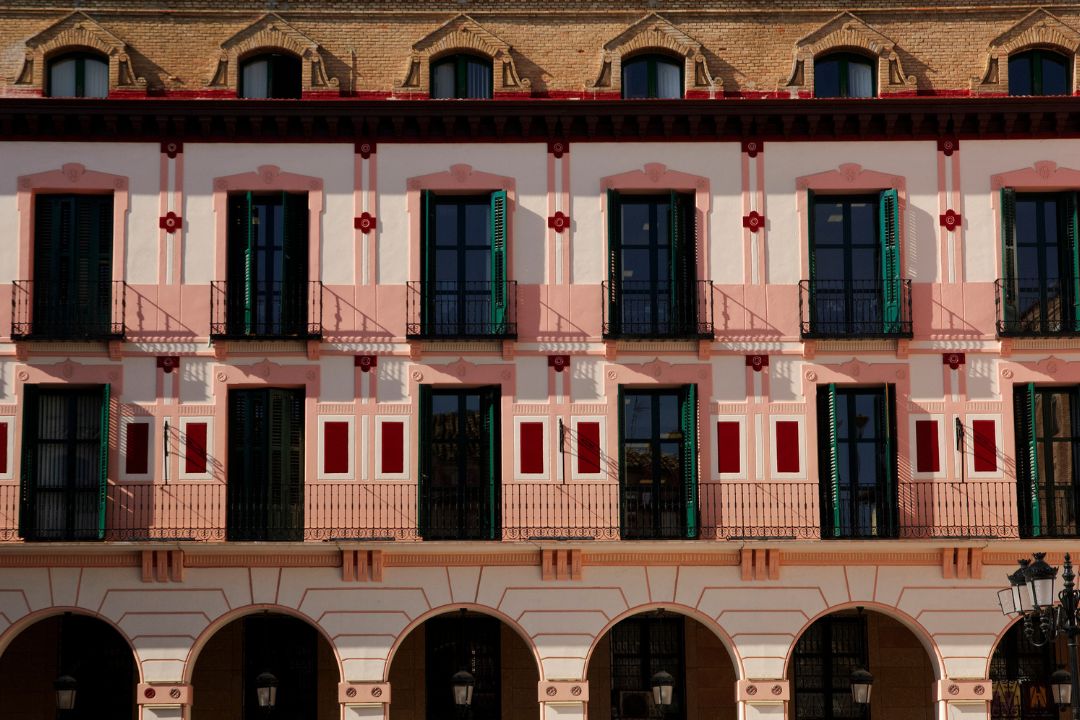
(614,225)
(886,422)
(1072,234)
(498,262)
(294,270)
(283,496)
(103,460)
(427,260)
(889,236)
(830,461)
(28,471)
(489,407)
(424,460)
(683,266)
(240,268)
(622,458)
(241,466)
(688,422)
(1027,456)
(1008,254)
(811,313)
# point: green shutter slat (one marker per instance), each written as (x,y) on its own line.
(103,459)
(889,237)
(498,262)
(294,271)
(250,278)
(27,474)
(490,398)
(622,457)
(1026,424)
(1008,254)
(427,259)
(688,417)
(830,472)
(614,217)
(676,279)
(1072,233)
(424,461)
(887,423)
(810,234)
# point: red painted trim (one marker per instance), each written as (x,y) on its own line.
(532,448)
(728,447)
(927,453)
(335,448)
(393,447)
(588,456)
(137,457)
(195,448)
(787,446)
(984,445)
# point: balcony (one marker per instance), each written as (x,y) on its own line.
(49,311)
(1034,307)
(854,309)
(383,511)
(642,310)
(451,310)
(266,310)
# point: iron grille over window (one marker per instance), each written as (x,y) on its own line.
(823,661)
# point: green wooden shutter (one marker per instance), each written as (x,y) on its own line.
(490,408)
(52,215)
(811,292)
(1027,456)
(240,267)
(294,271)
(622,458)
(427,260)
(28,471)
(285,485)
(830,461)
(103,459)
(1072,234)
(240,462)
(498,263)
(889,237)
(1008,255)
(614,225)
(424,460)
(887,423)
(92,264)
(688,422)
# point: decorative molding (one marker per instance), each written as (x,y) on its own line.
(69,559)
(965,691)
(360,693)
(162,566)
(167,694)
(654,32)
(78,31)
(563,691)
(763,692)
(965,563)
(759,564)
(514,559)
(1039,28)
(272,32)
(312,558)
(361,565)
(560,564)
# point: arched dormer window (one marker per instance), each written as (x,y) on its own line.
(79,74)
(845,75)
(652,76)
(461,76)
(271,75)
(1039,72)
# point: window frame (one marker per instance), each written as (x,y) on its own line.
(1033,490)
(274,59)
(652,60)
(1035,57)
(461,61)
(647,627)
(843,58)
(80,57)
(828,687)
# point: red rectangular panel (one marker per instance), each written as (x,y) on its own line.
(137,460)
(393,447)
(588,456)
(336,447)
(195,447)
(984,442)
(728,449)
(787,446)
(3,447)
(927,455)
(532,448)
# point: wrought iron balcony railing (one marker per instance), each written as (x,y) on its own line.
(451,310)
(266,310)
(1036,307)
(854,309)
(44,310)
(647,311)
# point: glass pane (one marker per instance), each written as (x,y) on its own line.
(635,79)
(636,222)
(860,79)
(637,417)
(636,268)
(446,266)
(638,463)
(1020,75)
(670,427)
(62,78)
(478,269)
(478,79)
(668,79)
(1055,75)
(866,414)
(864,224)
(828,223)
(477,223)
(442,80)
(255,82)
(96,78)
(827,78)
(446,224)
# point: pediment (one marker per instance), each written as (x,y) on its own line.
(845,30)
(653,31)
(1038,27)
(461,33)
(271,30)
(76,30)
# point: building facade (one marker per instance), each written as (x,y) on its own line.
(360,347)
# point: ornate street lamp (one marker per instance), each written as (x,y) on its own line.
(1061,686)
(1011,598)
(266,690)
(463,683)
(663,686)
(65,687)
(862,682)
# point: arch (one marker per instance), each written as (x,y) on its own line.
(272,33)
(997,641)
(17,627)
(222,620)
(1037,29)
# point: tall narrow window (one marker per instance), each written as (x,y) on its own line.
(267,292)
(823,660)
(463,641)
(844,75)
(855,288)
(465,292)
(658,463)
(459,464)
(78,75)
(287,648)
(461,76)
(72,287)
(1047,457)
(1039,293)
(1039,72)
(266,465)
(65,463)
(857,461)
(652,76)
(1019,669)
(642,646)
(652,288)
(274,76)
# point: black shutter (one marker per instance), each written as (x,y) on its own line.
(614,299)
(239,268)
(294,274)
(28,471)
(424,461)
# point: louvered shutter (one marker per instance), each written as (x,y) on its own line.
(689,427)
(614,224)
(1072,234)
(810,317)
(28,471)
(889,237)
(489,406)
(683,267)
(93,264)
(103,460)
(424,460)
(240,279)
(830,461)
(284,491)
(499,288)
(1008,256)
(886,421)
(240,470)
(427,263)
(294,271)
(1027,457)
(622,458)
(52,216)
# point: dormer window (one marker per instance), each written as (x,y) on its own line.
(844,75)
(652,76)
(275,75)
(79,75)
(1039,72)
(461,76)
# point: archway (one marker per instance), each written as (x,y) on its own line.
(301,660)
(836,644)
(626,657)
(501,663)
(84,648)
(1020,671)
